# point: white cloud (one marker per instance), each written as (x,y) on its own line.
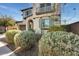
(9,8)
(3,7)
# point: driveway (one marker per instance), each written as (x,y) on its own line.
(4,50)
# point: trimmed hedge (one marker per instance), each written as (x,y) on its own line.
(59,43)
(25,39)
(57,28)
(10,35)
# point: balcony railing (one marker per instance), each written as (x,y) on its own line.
(44,9)
(27,13)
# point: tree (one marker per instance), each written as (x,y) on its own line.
(6,21)
(1,22)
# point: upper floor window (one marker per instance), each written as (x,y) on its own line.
(45,7)
(28,13)
(48,4)
(45,4)
(42,5)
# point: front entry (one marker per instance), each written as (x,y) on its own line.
(30,24)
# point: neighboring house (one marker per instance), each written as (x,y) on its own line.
(21,25)
(11,27)
(41,16)
(74,27)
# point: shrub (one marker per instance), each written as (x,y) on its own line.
(66,27)
(10,35)
(57,28)
(25,39)
(31,30)
(38,36)
(59,43)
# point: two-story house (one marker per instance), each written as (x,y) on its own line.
(41,16)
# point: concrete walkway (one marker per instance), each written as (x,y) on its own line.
(4,50)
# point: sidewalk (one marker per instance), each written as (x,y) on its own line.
(4,50)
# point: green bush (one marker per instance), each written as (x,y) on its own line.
(10,35)
(57,28)
(66,27)
(25,39)
(31,30)
(59,43)
(38,36)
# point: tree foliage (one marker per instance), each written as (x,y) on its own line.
(6,21)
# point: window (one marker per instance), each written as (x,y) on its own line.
(48,4)
(45,4)
(42,5)
(46,22)
(45,7)
(30,12)
(27,13)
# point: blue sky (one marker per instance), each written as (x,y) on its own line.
(13,9)
(69,12)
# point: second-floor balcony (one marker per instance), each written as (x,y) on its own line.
(27,12)
(45,9)
(25,15)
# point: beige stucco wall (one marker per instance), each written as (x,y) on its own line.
(36,18)
(36,25)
